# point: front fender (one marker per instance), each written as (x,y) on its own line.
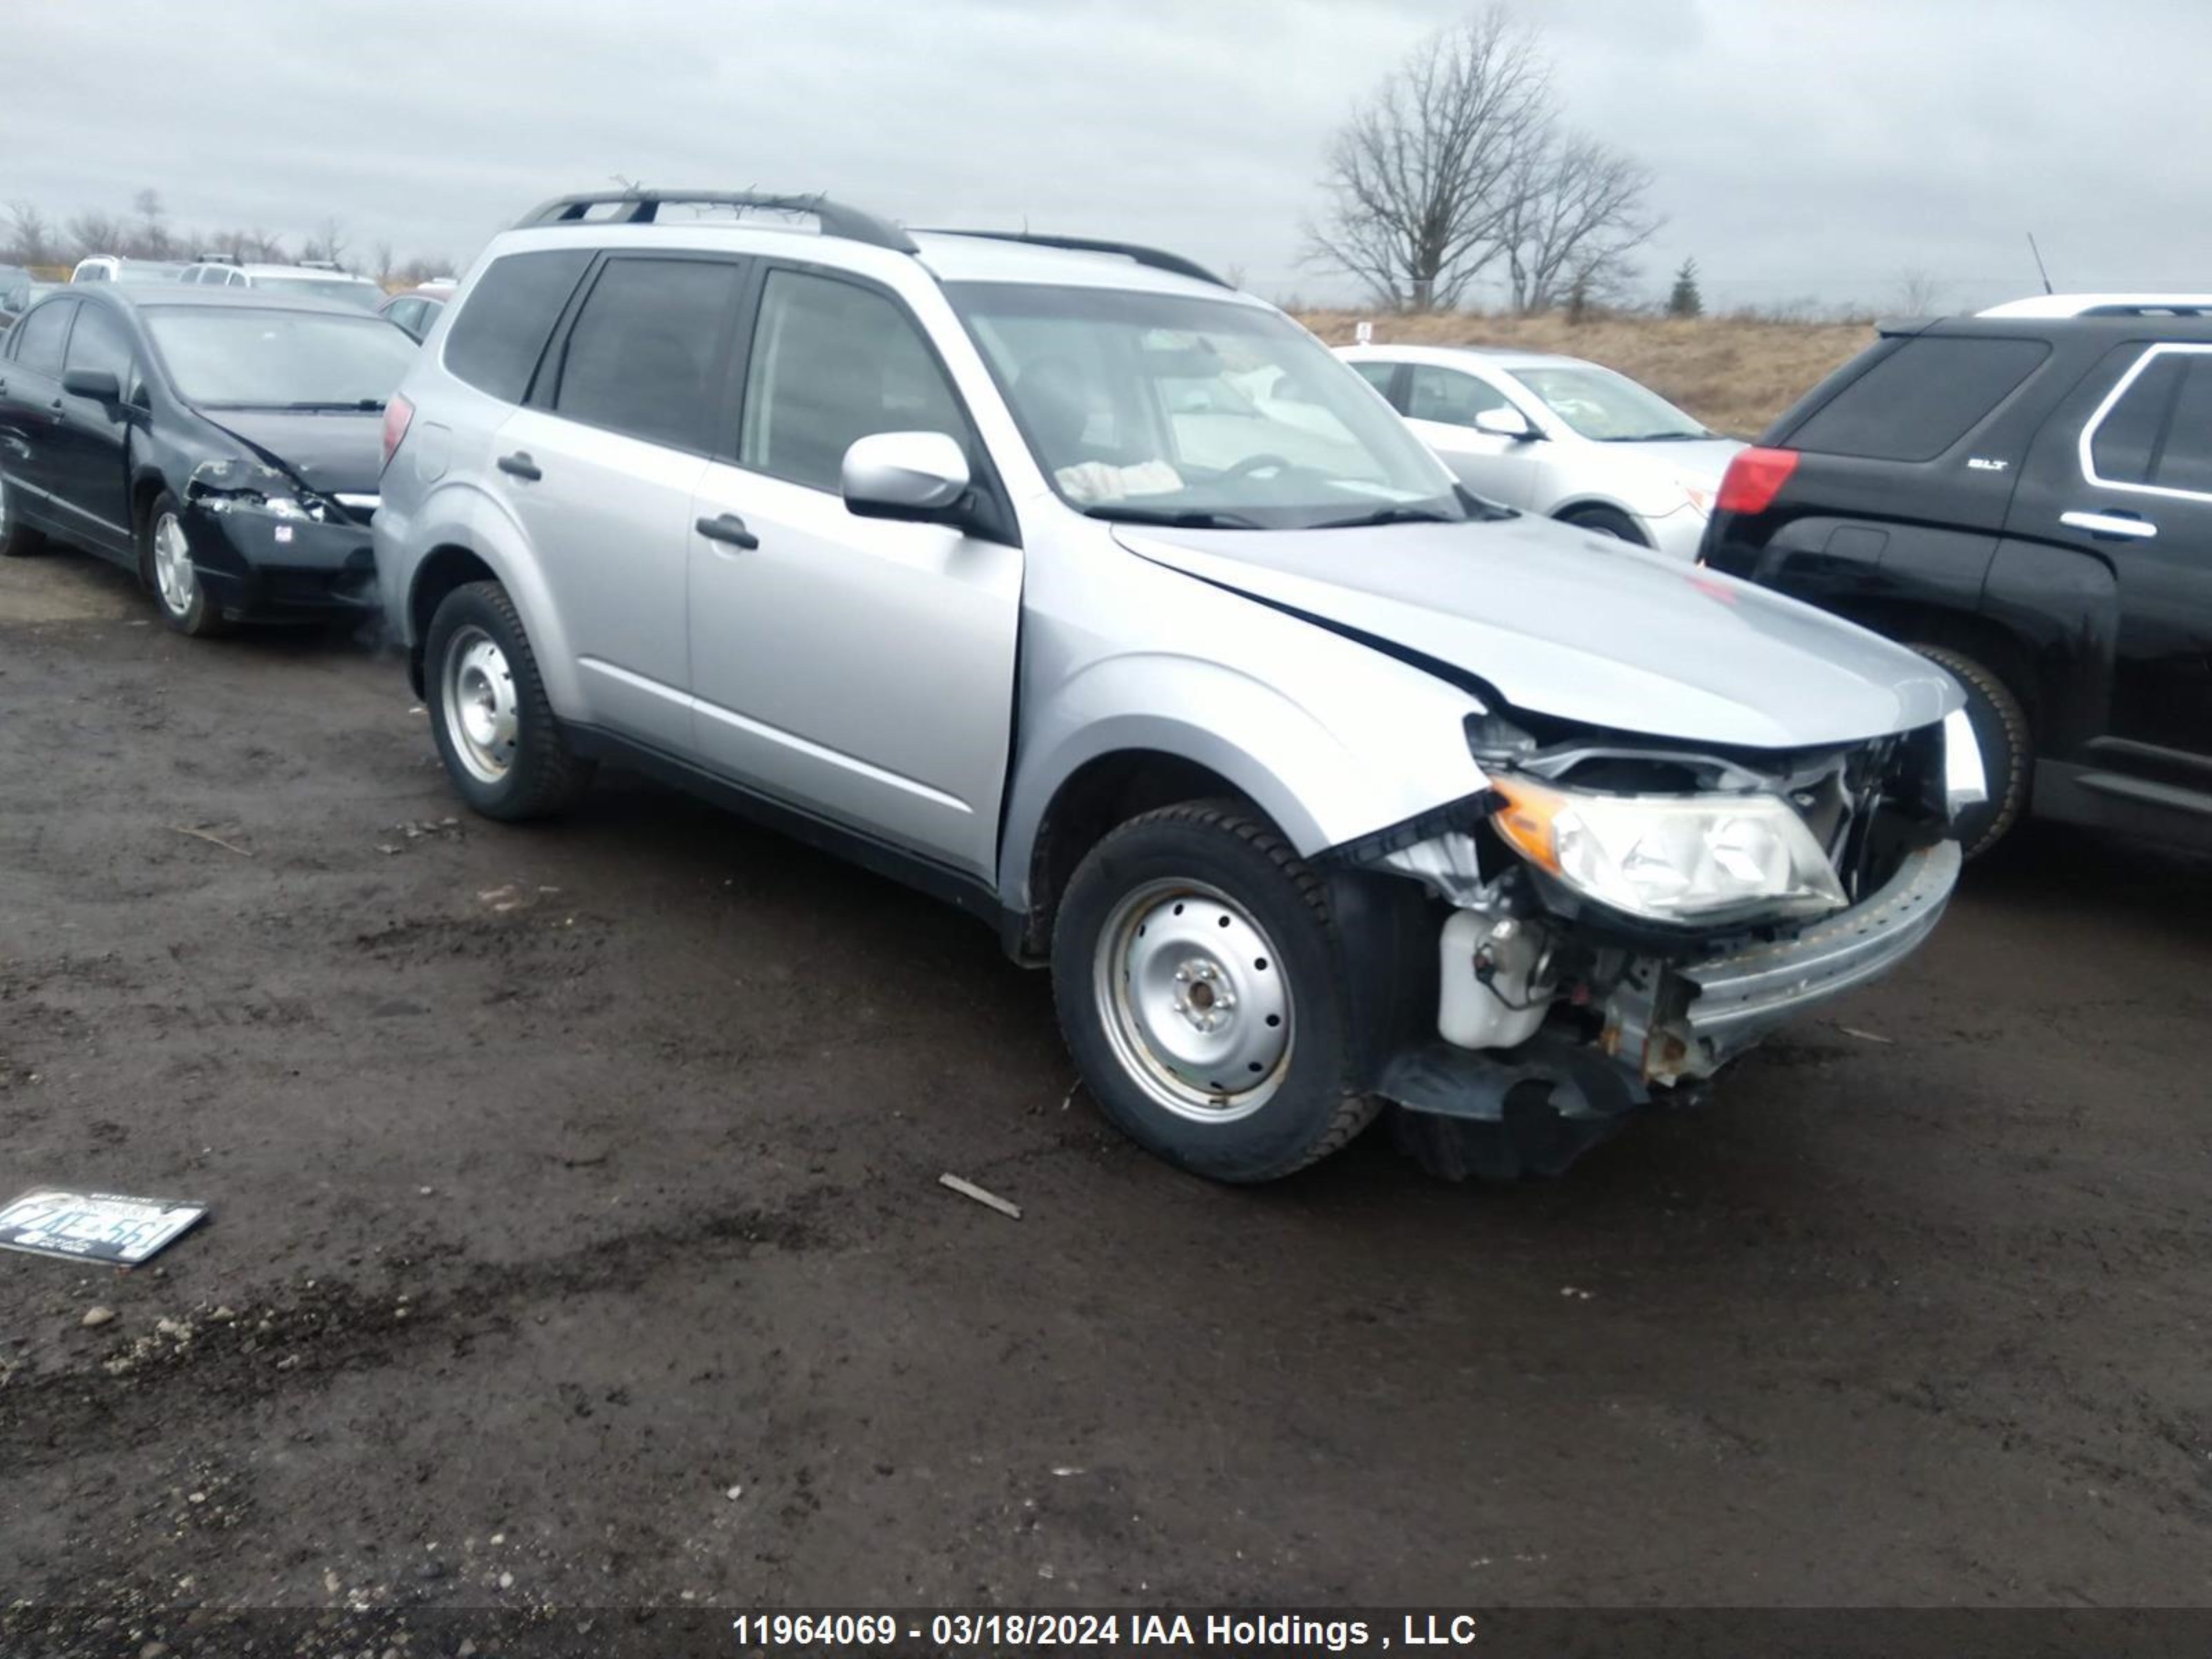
(1320,777)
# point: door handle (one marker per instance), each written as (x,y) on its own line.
(2116,527)
(520,466)
(730,528)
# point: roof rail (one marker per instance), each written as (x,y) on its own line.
(1155,258)
(2104,305)
(835,219)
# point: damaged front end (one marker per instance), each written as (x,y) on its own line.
(265,545)
(1618,918)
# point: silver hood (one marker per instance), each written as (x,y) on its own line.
(1585,629)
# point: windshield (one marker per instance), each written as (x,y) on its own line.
(1609,407)
(346,290)
(146,271)
(1161,408)
(234,358)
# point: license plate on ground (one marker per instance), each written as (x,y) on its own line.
(111,1227)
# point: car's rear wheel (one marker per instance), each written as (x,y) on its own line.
(165,567)
(2008,747)
(1607,521)
(1200,988)
(489,711)
(17,538)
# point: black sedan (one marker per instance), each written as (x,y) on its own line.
(225,445)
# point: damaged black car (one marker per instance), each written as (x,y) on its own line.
(225,445)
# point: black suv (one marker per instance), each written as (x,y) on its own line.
(2025,497)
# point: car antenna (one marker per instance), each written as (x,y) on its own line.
(2039,270)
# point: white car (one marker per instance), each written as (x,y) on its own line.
(1558,436)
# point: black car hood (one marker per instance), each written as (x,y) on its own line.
(329,453)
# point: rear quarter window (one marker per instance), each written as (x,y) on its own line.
(495,344)
(1920,400)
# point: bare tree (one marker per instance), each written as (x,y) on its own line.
(87,233)
(1420,180)
(423,267)
(30,239)
(383,262)
(328,243)
(1574,215)
(152,241)
(1919,293)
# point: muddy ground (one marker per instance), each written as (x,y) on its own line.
(577,1236)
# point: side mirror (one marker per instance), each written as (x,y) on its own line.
(1505,423)
(905,475)
(98,383)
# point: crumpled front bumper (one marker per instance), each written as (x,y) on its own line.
(1689,1019)
(1673,1024)
(258,561)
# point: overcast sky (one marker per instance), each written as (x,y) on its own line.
(1803,148)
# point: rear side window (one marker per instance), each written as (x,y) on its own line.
(1446,395)
(1919,400)
(2127,438)
(1378,376)
(833,363)
(2159,434)
(39,338)
(642,356)
(495,344)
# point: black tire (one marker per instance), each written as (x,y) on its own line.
(185,608)
(2008,750)
(1305,1106)
(536,773)
(1605,521)
(17,539)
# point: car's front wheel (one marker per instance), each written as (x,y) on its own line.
(17,538)
(165,567)
(1200,988)
(489,711)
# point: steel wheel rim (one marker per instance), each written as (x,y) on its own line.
(1195,1001)
(173,565)
(482,716)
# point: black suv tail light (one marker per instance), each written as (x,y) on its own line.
(1754,479)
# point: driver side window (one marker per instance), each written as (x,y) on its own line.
(1449,397)
(833,363)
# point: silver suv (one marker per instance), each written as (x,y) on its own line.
(1061,581)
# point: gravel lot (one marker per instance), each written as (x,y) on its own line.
(577,1237)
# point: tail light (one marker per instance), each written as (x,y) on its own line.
(1754,479)
(397,414)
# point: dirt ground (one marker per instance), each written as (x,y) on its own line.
(576,1234)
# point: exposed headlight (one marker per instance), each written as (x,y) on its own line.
(1672,858)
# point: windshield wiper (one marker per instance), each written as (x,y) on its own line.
(1389,515)
(1659,437)
(366,405)
(1180,518)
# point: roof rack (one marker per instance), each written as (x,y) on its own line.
(1157,258)
(835,219)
